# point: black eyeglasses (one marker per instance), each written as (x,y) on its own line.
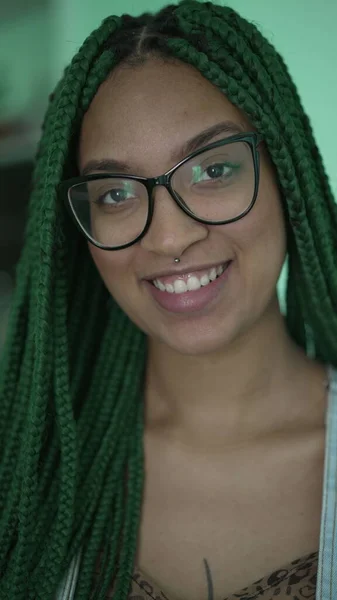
(215,185)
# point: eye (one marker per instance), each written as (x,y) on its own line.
(114,196)
(213,172)
(113,193)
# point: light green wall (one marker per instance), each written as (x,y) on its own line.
(25,63)
(26,77)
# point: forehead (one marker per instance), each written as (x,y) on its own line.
(139,112)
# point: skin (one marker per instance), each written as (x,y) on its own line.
(226,389)
(139,117)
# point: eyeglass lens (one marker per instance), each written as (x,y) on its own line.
(216,185)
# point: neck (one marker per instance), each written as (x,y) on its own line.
(248,389)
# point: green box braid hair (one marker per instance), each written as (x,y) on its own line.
(71,410)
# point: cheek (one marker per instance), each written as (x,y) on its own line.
(113,267)
(264,227)
(259,239)
(258,230)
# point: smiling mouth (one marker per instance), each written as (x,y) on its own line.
(190,283)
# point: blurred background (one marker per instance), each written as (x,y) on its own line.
(39,37)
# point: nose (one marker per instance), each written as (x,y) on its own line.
(171,231)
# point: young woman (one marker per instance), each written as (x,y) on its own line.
(164,425)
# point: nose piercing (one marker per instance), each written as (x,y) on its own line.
(176,260)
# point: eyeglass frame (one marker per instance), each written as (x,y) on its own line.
(253,139)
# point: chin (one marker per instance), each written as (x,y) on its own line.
(198,341)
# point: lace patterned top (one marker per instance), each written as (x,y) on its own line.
(295,581)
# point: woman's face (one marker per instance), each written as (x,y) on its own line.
(143,117)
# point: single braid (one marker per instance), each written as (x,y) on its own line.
(95,419)
(99,541)
(133,509)
(61,530)
(106,576)
(9,473)
(17,330)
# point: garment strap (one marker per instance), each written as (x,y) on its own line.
(327,561)
(66,590)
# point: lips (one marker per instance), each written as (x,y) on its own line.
(184,272)
(188,282)
(191,301)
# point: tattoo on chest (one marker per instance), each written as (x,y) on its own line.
(210,587)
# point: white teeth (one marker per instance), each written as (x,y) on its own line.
(212,274)
(204,280)
(193,283)
(180,286)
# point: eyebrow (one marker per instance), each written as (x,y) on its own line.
(111,165)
